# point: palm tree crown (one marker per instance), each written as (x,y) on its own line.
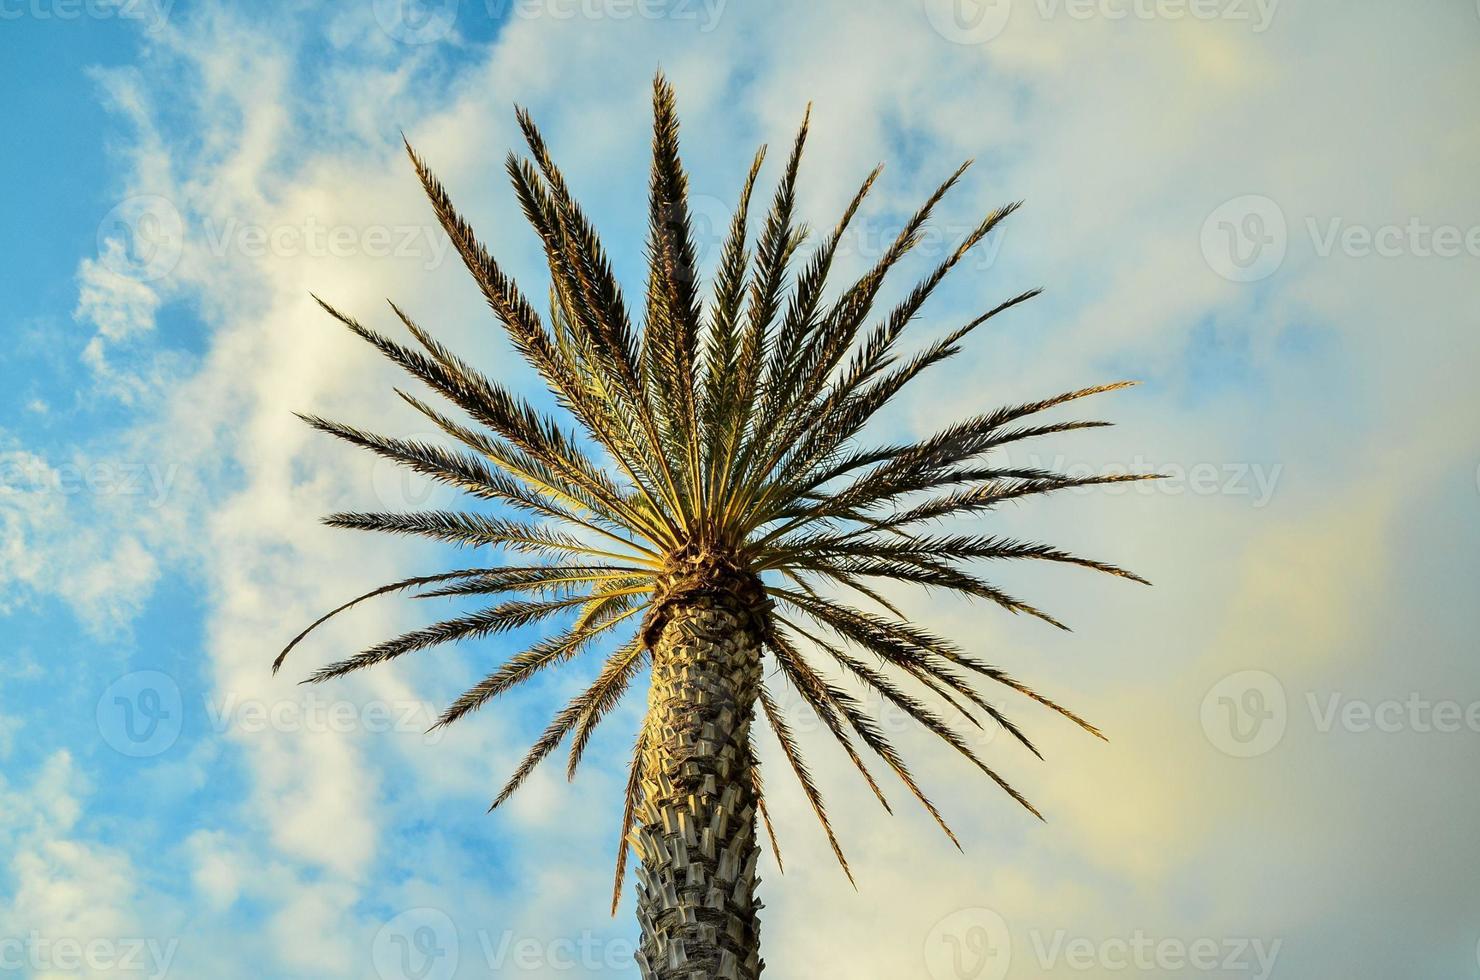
(717,448)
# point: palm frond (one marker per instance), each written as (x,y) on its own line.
(523,666)
(502,618)
(827,701)
(401,586)
(760,803)
(804,776)
(603,696)
(629,814)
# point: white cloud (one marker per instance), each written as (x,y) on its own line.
(74,905)
(53,542)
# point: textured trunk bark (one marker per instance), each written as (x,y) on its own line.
(695,832)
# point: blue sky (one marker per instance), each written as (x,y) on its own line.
(1265,212)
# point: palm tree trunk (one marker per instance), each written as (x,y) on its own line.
(695,828)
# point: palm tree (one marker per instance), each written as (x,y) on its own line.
(709,510)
